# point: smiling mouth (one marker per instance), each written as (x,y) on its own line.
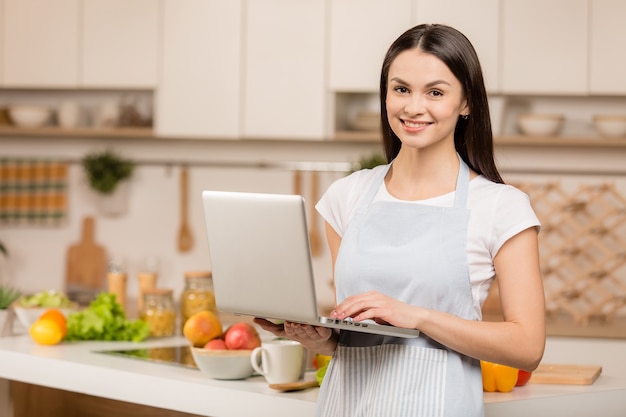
(408,123)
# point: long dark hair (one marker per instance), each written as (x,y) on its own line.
(473,138)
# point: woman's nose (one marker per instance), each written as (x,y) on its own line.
(414,105)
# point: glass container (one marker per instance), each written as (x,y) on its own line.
(158,311)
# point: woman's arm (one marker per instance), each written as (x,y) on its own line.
(518,341)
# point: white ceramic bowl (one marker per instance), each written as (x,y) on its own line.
(30,116)
(223,364)
(28,315)
(540,124)
(610,126)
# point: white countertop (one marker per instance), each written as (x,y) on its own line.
(76,367)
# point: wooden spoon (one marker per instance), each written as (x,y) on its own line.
(314,234)
(294,386)
(185,239)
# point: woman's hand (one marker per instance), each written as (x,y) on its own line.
(378,307)
(317,339)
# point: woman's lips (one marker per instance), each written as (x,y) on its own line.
(415,126)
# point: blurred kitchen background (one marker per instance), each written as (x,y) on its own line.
(281,96)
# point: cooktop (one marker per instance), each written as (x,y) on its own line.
(171,355)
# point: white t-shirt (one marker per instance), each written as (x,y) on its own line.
(497,213)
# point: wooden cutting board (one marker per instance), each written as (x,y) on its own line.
(566,374)
(86,262)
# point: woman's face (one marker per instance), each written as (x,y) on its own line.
(424,99)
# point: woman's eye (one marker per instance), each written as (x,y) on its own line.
(436,93)
(401,90)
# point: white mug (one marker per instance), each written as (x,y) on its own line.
(280,361)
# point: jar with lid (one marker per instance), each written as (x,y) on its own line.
(198,294)
(158,311)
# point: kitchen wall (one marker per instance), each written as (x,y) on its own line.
(149,228)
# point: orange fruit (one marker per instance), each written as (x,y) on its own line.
(46,331)
(58,317)
(202,327)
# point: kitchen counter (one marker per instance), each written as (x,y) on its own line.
(78,368)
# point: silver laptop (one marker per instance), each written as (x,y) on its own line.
(261,262)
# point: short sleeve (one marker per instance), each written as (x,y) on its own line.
(512,215)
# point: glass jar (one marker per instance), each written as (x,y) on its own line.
(158,311)
(198,294)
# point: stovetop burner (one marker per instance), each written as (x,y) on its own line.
(171,355)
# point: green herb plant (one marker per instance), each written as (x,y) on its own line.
(7,296)
(105,319)
(106,169)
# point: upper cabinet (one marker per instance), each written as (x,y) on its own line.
(544,47)
(608,37)
(41,41)
(80,43)
(482,32)
(360,32)
(284,75)
(200,87)
(120,42)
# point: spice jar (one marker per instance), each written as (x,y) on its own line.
(158,311)
(198,294)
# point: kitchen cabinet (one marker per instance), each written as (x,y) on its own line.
(483,32)
(607,65)
(200,86)
(41,42)
(361,31)
(284,76)
(119,47)
(544,47)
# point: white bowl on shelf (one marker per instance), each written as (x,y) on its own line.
(28,315)
(30,115)
(611,126)
(540,124)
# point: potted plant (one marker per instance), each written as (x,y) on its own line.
(8,295)
(108,174)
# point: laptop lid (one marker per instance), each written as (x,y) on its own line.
(261,262)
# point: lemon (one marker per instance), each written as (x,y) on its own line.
(46,331)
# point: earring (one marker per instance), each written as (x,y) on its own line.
(465,116)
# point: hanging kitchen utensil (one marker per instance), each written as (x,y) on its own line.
(297,182)
(185,238)
(86,266)
(315,237)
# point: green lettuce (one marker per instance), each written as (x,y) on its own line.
(105,319)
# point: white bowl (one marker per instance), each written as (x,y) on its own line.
(30,116)
(540,124)
(223,364)
(610,126)
(28,315)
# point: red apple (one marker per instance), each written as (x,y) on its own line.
(242,336)
(522,378)
(216,344)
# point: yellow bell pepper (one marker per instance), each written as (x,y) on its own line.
(496,377)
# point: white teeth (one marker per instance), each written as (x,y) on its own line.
(411,124)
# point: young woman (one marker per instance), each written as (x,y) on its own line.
(417,243)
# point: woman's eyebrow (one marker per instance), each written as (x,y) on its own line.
(428,85)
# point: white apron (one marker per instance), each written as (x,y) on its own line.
(417,254)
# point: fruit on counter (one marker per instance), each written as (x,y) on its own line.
(47,299)
(46,331)
(202,327)
(105,319)
(320,361)
(216,344)
(496,377)
(242,335)
(56,316)
(523,377)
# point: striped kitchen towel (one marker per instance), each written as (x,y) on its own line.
(33,192)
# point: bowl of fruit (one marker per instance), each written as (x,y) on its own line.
(28,308)
(219,353)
